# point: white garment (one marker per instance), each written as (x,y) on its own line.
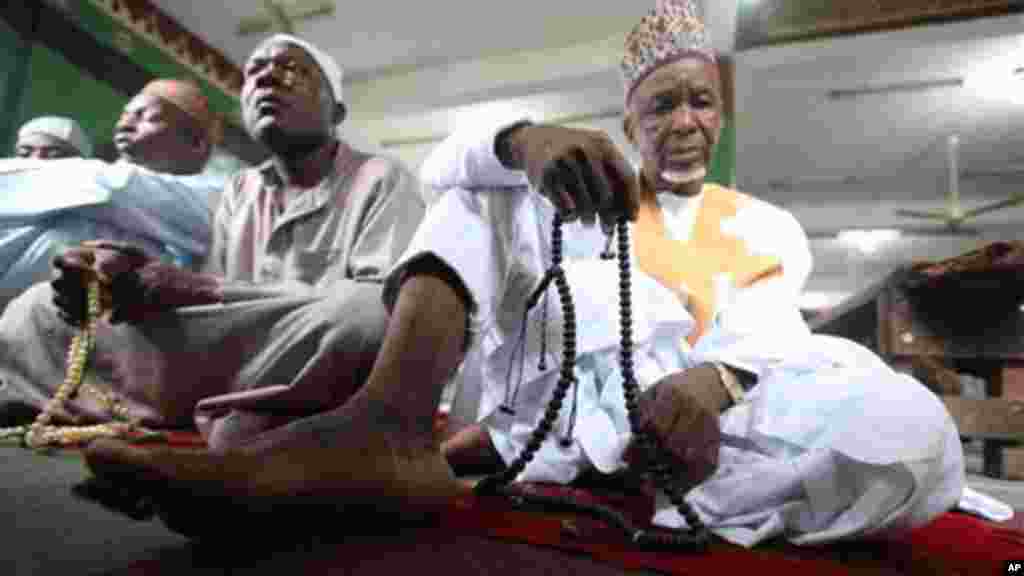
(48,204)
(831,443)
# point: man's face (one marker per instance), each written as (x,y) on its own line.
(154,133)
(284,94)
(676,118)
(43,146)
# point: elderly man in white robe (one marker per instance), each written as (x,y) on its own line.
(819,440)
(769,429)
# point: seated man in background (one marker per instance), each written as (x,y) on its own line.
(152,196)
(52,137)
(287,314)
(769,430)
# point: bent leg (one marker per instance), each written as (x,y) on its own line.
(377,448)
(313,360)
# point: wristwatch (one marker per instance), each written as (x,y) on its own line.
(730,382)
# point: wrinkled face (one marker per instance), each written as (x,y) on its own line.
(674,119)
(154,133)
(43,146)
(285,95)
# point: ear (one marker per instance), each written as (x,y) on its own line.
(340,113)
(628,125)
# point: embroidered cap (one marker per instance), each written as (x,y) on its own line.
(672,30)
(61,128)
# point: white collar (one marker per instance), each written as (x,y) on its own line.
(679,213)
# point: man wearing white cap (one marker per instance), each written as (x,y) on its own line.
(50,137)
(286,318)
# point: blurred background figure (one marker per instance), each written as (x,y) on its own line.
(49,137)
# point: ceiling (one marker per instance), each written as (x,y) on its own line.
(417,70)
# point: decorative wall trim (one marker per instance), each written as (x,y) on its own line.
(178,43)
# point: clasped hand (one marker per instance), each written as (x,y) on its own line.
(114,264)
(680,412)
(133,284)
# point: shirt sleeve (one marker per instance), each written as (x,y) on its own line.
(170,208)
(467,159)
(468,233)
(167,208)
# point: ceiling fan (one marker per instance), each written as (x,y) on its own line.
(954,216)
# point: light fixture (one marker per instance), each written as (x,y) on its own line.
(996,82)
(868,241)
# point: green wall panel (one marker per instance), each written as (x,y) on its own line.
(723,162)
(13,68)
(111,33)
(57,87)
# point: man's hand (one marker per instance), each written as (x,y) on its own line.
(580,171)
(109,262)
(681,411)
(133,284)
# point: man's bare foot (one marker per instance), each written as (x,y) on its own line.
(360,454)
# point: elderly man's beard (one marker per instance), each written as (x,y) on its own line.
(684,176)
(293,145)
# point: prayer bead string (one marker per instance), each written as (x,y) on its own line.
(42,433)
(654,455)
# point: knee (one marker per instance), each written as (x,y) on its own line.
(355,325)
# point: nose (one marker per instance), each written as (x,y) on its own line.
(37,153)
(683,118)
(126,123)
(271,75)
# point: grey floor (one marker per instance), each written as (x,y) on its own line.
(49,531)
(1009,491)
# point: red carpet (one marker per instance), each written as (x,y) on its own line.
(487,535)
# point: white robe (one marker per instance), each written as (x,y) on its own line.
(830,443)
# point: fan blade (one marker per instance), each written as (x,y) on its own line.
(923,214)
(906,232)
(1009,202)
